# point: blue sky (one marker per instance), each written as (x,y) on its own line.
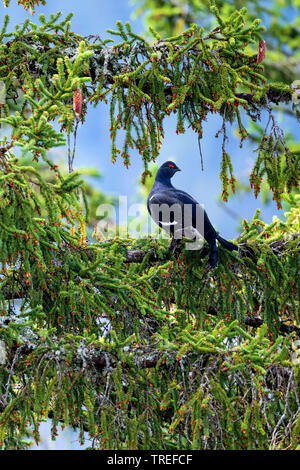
(93,147)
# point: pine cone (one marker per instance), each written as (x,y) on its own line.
(77,102)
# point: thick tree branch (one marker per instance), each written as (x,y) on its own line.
(256,322)
(110,62)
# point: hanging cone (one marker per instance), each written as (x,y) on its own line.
(261,52)
(77,102)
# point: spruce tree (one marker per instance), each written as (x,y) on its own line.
(193,358)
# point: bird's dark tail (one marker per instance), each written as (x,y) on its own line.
(228,245)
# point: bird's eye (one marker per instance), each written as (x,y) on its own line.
(171,166)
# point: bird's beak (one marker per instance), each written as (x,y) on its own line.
(178,169)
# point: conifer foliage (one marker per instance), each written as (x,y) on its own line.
(136,346)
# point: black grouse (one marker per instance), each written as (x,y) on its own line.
(180,214)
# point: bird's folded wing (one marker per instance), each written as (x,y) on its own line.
(175,196)
(185,197)
(174,201)
(210,232)
(171,197)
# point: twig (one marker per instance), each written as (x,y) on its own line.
(5,396)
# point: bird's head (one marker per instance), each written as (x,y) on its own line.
(167,170)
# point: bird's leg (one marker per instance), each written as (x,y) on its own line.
(213,254)
(172,245)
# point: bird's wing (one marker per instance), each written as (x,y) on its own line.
(164,197)
(170,197)
(177,216)
(209,232)
(185,197)
(158,203)
(176,196)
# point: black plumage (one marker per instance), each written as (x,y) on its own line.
(185,213)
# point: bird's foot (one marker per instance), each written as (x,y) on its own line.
(172,245)
(213,258)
